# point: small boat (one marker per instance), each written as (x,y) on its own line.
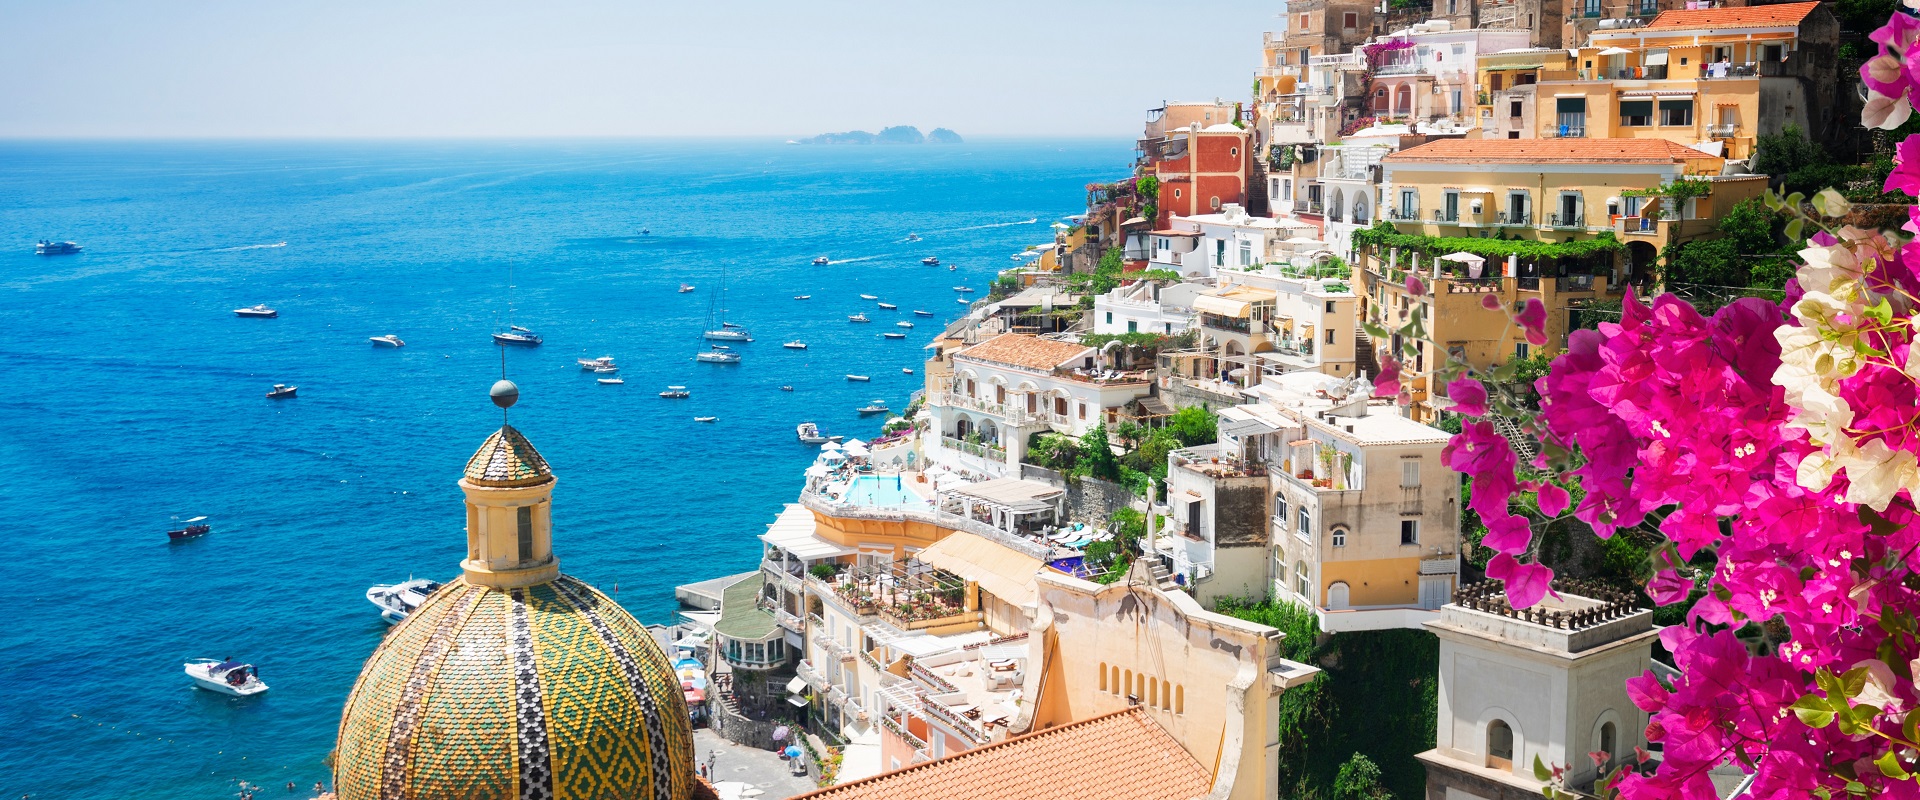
(952,268)
(889,306)
(388,340)
(903,324)
(930,261)
(611,381)
(893,336)
(685,288)
(861,317)
(591,364)
(282,391)
(676,393)
(869,297)
(729,333)
(225,677)
(705,419)
(964,301)
(862,378)
(517,336)
(193,528)
(718,355)
(809,433)
(786,388)
(397,600)
(919,313)
(836,438)
(913,237)
(876,407)
(733,325)
(645,232)
(260,311)
(906,370)
(803,297)
(820,261)
(606,369)
(963,289)
(795,345)
(47,248)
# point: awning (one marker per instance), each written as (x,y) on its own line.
(1674,93)
(1616,51)
(797,685)
(793,531)
(1155,406)
(1656,58)
(1246,427)
(1219,305)
(1300,443)
(1021,497)
(1464,258)
(696,696)
(1186,498)
(1000,570)
(797,700)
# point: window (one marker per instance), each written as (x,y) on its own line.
(1636,113)
(1233,151)
(1410,473)
(1607,739)
(1280,510)
(1103,676)
(1409,203)
(1329,336)
(1571,115)
(1676,112)
(1329,306)
(1450,205)
(1499,745)
(1516,208)
(525,514)
(1060,406)
(1082,408)
(1339,537)
(1514,108)
(1773,52)
(1219,252)
(1306,521)
(1133,326)
(1246,254)
(1301,584)
(1520,350)
(1109,318)
(1350,20)
(1409,531)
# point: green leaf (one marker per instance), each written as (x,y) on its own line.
(1813,711)
(1856,787)
(1853,681)
(1794,227)
(1540,770)
(1857,720)
(1375,330)
(1882,312)
(1889,765)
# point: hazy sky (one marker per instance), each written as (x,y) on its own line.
(380,68)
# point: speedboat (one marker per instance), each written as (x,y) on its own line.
(893,336)
(517,336)
(852,377)
(963,289)
(930,261)
(903,324)
(685,288)
(388,340)
(889,306)
(261,311)
(820,261)
(729,332)
(718,356)
(46,248)
(906,370)
(809,433)
(913,237)
(591,364)
(795,345)
(282,391)
(876,407)
(964,301)
(397,600)
(952,268)
(611,381)
(861,317)
(803,297)
(676,393)
(869,297)
(786,388)
(225,677)
(919,313)
(605,369)
(705,419)
(192,528)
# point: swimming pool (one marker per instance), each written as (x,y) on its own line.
(887,491)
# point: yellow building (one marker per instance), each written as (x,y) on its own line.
(1507,89)
(1712,78)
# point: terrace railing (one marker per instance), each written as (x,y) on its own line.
(943,519)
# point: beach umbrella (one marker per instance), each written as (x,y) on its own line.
(780,733)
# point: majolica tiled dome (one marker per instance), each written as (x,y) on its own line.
(507,459)
(551,692)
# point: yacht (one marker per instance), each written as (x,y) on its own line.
(964,301)
(803,297)
(861,378)
(605,369)
(225,677)
(869,297)
(893,336)
(718,356)
(591,364)
(963,289)
(930,261)
(388,340)
(728,335)
(795,345)
(809,433)
(190,529)
(889,306)
(282,391)
(612,381)
(913,237)
(919,313)
(676,393)
(397,600)
(517,337)
(906,370)
(261,311)
(903,324)
(820,261)
(875,407)
(706,419)
(861,317)
(786,388)
(685,288)
(46,248)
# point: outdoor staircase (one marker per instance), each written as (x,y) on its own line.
(1164,579)
(1364,358)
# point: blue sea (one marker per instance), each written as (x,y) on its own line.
(131,396)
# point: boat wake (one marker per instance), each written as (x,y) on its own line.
(1032,221)
(857,260)
(249,247)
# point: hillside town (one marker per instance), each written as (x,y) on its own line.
(1148,504)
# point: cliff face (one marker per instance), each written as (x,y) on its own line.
(898,134)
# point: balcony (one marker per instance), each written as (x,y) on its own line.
(1402,214)
(1565,221)
(1727,129)
(970,729)
(932,681)
(1230,324)
(1639,226)
(899,730)
(1568,132)
(1486,285)
(812,676)
(1446,217)
(789,621)
(1515,218)
(981,449)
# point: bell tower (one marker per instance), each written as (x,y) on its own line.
(509,493)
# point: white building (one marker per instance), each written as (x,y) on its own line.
(1272,320)
(1202,245)
(1146,307)
(1008,388)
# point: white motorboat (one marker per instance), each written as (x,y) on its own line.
(397,600)
(591,364)
(685,288)
(858,318)
(919,313)
(930,261)
(903,324)
(964,301)
(786,388)
(282,391)
(869,297)
(261,311)
(676,393)
(795,345)
(906,370)
(705,419)
(820,261)
(889,306)
(963,289)
(388,340)
(225,677)
(718,356)
(952,268)
(852,377)
(893,336)
(803,297)
(809,433)
(913,237)
(612,381)
(876,407)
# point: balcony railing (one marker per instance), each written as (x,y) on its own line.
(1441,215)
(812,676)
(1217,322)
(1403,214)
(1576,283)
(968,728)
(872,662)
(789,621)
(1727,129)
(933,681)
(1565,221)
(1527,284)
(1522,218)
(901,731)
(1640,225)
(1473,285)
(986,451)
(1568,132)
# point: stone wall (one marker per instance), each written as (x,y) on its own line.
(1180,394)
(1240,513)
(1089,500)
(733,727)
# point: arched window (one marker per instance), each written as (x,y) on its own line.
(1607,742)
(1153,692)
(1339,533)
(1129,684)
(1103,676)
(1499,745)
(1179,699)
(1337,596)
(1302,585)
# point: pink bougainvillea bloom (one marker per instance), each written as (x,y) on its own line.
(1414,285)
(1667,587)
(1553,500)
(1527,584)
(1468,396)
(1387,383)
(1490,302)
(1533,317)
(1509,534)
(1905,176)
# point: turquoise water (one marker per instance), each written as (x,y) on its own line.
(129,394)
(881,490)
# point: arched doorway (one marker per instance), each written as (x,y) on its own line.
(1403,100)
(1642,263)
(1337,596)
(1338,205)
(1360,209)
(1499,745)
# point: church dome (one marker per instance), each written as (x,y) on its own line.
(507,459)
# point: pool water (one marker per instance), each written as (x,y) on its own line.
(882,490)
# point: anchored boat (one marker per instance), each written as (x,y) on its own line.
(225,677)
(397,600)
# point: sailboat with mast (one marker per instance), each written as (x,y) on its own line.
(724,331)
(514,335)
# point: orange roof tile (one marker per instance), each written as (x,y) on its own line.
(1780,15)
(1136,759)
(1548,151)
(1021,350)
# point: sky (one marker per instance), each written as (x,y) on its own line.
(557,68)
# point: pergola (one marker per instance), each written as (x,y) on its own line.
(1019,507)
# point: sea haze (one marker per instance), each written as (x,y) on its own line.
(133,395)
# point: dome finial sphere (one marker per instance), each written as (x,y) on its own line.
(504,393)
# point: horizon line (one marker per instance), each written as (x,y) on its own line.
(966,138)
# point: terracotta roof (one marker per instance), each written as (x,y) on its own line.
(1547,151)
(1136,758)
(507,459)
(1021,350)
(1781,15)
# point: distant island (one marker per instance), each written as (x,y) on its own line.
(898,134)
